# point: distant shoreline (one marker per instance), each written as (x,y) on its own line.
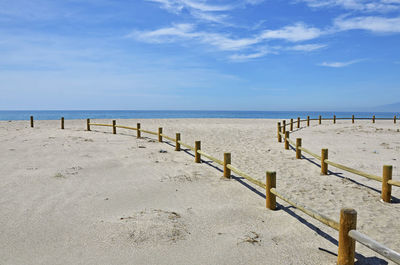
(177,114)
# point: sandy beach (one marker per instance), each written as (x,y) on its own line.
(77,197)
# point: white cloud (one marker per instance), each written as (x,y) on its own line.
(294,33)
(307,47)
(357,5)
(249,56)
(339,64)
(374,24)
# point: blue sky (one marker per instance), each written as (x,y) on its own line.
(199,55)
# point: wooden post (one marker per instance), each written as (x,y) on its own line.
(62,123)
(32,121)
(138,132)
(159,134)
(334,119)
(227,161)
(347,245)
(114,128)
(320,119)
(88,124)
(284,126)
(308,121)
(177,144)
(394,119)
(286,140)
(197,147)
(298,151)
(270,198)
(324,166)
(386,187)
(373,119)
(279,133)
(291,124)
(298,122)
(352,119)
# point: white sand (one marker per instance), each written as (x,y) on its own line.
(76,197)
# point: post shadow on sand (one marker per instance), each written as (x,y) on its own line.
(339,175)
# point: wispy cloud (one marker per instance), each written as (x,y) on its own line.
(371,23)
(294,33)
(249,56)
(339,64)
(307,47)
(356,5)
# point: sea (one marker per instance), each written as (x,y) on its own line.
(178,114)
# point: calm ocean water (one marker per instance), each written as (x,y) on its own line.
(160,114)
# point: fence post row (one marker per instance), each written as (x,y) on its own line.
(62,123)
(298,145)
(298,122)
(320,119)
(270,198)
(394,119)
(177,144)
(138,132)
(291,124)
(197,147)
(324,166)
(279,133)
(334,119)
(286,140)
(386,187)
(373,119)
(227,161)
(88,124)
(352,119)
(347,245)
(159,134)
(308,121)
(31,121)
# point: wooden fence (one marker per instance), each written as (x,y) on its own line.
(385,179)
(348,234)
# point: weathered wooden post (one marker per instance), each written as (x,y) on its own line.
(373,119)
(291,124)
(227,161)
(62,123)
(334,119)
(298,145)
(352,119)
(160,134)
(279,133)
(320,119)
(88,124)
(138,132)
(197,147)
(284,126)
(347,245)
(386,187)
(114,122)
(32,121)
(394,119)
(308,121)
(270,198)
(298,122)
(286,140)
(177,144)
(324,166)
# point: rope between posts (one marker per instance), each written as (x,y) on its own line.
(211,157)
(323,219)
(375,246)
(244,175)
(125,127)
(394,183)
(99,124)
(310,153)
(167,137)
(186,145)
(149,132)
(354,171)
